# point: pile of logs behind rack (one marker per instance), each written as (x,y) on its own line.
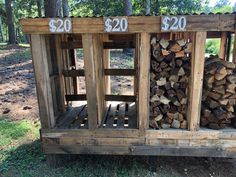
(169,87)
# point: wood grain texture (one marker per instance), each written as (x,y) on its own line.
(43,84)
(197,70)
(139,24)
(143,97)
(223,41)
(94,78)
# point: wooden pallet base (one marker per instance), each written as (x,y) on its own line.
(120,115)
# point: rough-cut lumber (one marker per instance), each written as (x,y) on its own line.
(143,108)
(197,80)
(43,85)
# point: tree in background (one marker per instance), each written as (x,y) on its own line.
(10,22)
(39,5)
(65,8)
(127,7)
(52,8)
(234,7)
(148,7)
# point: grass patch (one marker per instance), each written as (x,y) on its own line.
(10,131)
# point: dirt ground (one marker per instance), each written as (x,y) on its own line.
(18,101)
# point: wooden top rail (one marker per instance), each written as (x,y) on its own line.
(132,24)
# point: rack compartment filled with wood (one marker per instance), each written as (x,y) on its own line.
(119,124)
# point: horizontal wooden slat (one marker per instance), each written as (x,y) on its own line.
(120,72)
(106,45)
(76,97)
(125,98)
(118,45)
(163,150)
(138,24)
(73,73)
(71,45)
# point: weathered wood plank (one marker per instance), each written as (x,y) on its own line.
(141,150)
(197,69)
(44,94)
(94,78)
(73,73)
(120,72)
(143,97)
(80,97)
(138,24)
(223,41)
(125,98)
(234,50)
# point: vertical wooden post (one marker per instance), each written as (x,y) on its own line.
(143,96)
(136,62)
(223,42)
(234,51)
(61,95)
(197,70)
(106,61)
(94,77)
(43,86)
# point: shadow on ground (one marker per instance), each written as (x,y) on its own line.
(28,160)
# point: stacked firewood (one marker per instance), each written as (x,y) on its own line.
(169,78)
(219,95)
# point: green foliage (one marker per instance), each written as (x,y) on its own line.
(213,46)
(10,131)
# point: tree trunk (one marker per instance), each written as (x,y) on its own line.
(1,30)
(127,7)
(52,8)
(65,8)
(10,22)
(148,11)
(39,5)
(157,8)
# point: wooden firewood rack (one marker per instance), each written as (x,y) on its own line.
(85,130)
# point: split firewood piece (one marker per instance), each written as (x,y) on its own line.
(165,52)
(231,79)
(164,43)
(220,73)
(231,88)
(154,41)
(160,92)
(220,82)
(165,126)
(209,79)
(180,54)
(219,89)
(223,101)
(161,81)
(188,48)
(181,72)
(179,62)
(153,123)
(175,48)
(158,118)
(175,124)
(155,98)
(174,78)
(228,65)
(214,95)
(184,124)
(164,100)
(181,42)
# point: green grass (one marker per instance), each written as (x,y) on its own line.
(10,131)
(21,156)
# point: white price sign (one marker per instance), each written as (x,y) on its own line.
(57,25)
(173,23)
(116,24)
